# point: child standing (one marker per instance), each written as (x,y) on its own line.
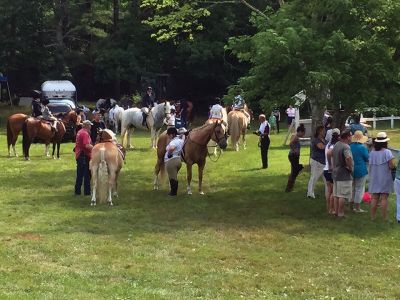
(272,122)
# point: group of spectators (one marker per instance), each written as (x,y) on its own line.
(344,161)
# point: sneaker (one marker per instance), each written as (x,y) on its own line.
(360,210)
(311,196)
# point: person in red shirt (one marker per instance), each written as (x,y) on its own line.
(83,151)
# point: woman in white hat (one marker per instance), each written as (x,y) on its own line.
(381,162)
(360,172)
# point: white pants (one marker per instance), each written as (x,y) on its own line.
(317,170)
(397,189)
(358,189)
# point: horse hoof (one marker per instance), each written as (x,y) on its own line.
(201,193)
(111,204)
(93,204)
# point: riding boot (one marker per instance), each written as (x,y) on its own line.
(174,187)
(290,184)
(144,122)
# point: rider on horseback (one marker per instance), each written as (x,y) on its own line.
(48,116)
(147,104)
(36,104)
(216,109)
(240,104)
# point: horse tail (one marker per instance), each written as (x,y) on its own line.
(234,130)
(102,177)
(9,134)
(25,139)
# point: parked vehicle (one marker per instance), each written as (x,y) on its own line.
(62,98)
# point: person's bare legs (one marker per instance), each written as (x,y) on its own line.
(340,211)
(374,205)
(329,188)
(384,208)
(336,205)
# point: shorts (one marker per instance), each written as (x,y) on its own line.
(328,176)
(343,189)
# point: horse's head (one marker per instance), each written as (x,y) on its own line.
(219,135)
(72,117)
(166,106)
(105,135)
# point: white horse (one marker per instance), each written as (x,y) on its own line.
(133,118)
(115,116)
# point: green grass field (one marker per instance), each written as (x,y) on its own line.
(245,238)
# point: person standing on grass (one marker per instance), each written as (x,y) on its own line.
(294,157)
(342,161)
(97,124)
(328,171)
(263,133)
(360,157)
(381,163)
(357,125)
(83,152)
(277,115)
(317,159)
(397,190)
(172,159)
(291,114)
(272,122)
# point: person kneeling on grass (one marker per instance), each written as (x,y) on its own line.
(172,159)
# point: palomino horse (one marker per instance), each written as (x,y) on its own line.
(194,150)
(36,128)
(133,117)
(14,127)
(105,165)
(237,124)
(115,117)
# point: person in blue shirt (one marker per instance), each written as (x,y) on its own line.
(357,126)
(360,172)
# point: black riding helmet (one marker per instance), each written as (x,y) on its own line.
(36,94)
(172,130)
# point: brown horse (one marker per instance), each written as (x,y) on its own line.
(105,165)
(237,124)
(38,129)
(14,127)
(194,150)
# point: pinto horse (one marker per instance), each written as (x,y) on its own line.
(194,150)
(14,127)
(38,129)
(105,165)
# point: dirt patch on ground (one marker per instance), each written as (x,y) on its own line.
(29,236)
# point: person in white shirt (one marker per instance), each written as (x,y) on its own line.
(172,159)
(171,120)
(291,114)
(216,110)
(263,133)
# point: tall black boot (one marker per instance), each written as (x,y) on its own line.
(290,184)
(174,187)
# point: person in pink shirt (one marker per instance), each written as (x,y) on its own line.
(83,151)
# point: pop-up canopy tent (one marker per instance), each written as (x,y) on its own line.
(4,82)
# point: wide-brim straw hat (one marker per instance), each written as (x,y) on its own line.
(358,137)
(381,137)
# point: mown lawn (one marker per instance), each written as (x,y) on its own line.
(245,238)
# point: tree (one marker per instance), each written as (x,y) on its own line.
(338,51)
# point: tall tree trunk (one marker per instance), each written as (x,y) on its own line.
(318,99)
(117,79)
(61,14)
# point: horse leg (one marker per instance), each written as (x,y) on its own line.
(46,150)
(58,150)
(94,180)
(111,181)
(189,178)
(54,150)
(115,193)
(244,141)
(201,166)
(130,131)
(156,172)
(153,138)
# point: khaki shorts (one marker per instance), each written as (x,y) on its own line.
(343,189)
